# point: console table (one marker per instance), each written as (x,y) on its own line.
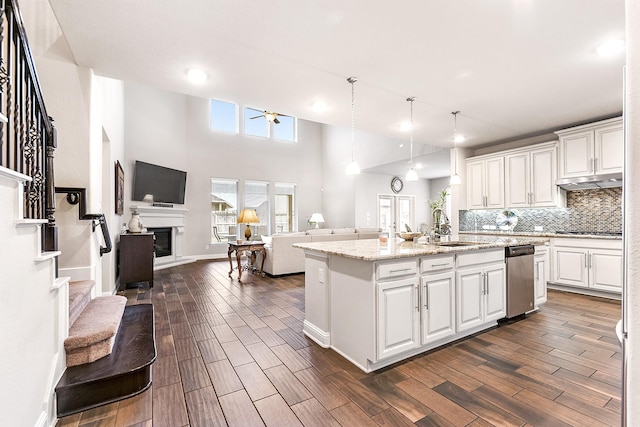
(253,247)
(136,258)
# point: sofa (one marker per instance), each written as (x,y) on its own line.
(282,258)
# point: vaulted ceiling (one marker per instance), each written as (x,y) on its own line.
(512,67)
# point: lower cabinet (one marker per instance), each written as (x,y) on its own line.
(437,307)
(480,295)
(588,267)
(398,316)
(541,274)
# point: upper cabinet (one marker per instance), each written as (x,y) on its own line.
(485,183)
(530,177)
(593,149)
(514,179)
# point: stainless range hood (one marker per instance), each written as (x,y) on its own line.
(590,181)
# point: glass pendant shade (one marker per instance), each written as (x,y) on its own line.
(455,179)
(353,168)
(412,175)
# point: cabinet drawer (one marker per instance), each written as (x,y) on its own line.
(480,257)
(396,269)
(437,263)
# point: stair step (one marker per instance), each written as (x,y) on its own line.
(79,297)
(91,336)
(122,374)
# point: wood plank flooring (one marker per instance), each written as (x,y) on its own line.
(232,353)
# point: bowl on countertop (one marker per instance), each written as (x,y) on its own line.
(409,235)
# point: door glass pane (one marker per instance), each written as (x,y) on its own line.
(405,213)
(285,207)
(385,214)
(256,196)
(224,211)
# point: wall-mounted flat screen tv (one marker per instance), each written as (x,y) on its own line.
(166,185)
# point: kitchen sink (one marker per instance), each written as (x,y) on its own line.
(459,244)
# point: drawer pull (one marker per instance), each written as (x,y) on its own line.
(440,265)
(400,270)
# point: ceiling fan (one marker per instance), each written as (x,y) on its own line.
(270,116)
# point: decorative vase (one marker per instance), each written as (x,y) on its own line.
(135,226)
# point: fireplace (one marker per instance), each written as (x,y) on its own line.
(162,244)
(168,225)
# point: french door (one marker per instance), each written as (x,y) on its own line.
(395,213)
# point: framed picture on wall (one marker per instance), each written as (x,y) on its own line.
(119,189)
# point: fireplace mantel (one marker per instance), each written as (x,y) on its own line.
(160,217)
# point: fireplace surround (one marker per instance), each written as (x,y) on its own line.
(172,222)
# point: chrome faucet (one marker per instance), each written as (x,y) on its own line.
(441,224)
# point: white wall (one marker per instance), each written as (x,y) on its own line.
(172,130)
(631,211)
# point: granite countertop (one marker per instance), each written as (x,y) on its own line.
(541,234)
(374,250)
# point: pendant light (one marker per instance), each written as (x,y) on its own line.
(412,175)
(352,167)
(455,178)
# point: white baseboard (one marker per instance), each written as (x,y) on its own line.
(322,338)
(78,273)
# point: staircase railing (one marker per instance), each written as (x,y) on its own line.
(27,134)
(78,196)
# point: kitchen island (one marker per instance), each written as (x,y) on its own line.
(378,303)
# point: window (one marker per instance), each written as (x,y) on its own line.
(224,116)
(256,196)
(224,210)
(286,129)
(285,207)
(255,123)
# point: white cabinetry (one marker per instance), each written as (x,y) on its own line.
(398,316)
(590,264)
(480,288)
(596,148)
(541,274)
(437,298)
(485,183)
(530,177)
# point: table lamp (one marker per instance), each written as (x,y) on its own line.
(248,216)
(317,218)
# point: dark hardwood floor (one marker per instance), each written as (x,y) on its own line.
(232,353)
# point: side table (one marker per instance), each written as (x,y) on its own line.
(253,247)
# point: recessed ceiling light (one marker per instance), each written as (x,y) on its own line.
(418,166)
(319,106)
(196,75)
(610,48)
(405,126)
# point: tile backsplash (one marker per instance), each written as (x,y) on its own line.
(587,210)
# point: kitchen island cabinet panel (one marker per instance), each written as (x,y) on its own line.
(398,314)
(438,304)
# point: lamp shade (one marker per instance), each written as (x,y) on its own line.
(248,216)
(316,217)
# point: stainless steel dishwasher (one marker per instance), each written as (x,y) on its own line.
(520,279)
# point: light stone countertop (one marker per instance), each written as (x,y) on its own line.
(540,234)
(374,250)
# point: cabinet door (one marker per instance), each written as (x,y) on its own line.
(576,154)
(494,183)
(475,184)
(605,269)
(495,292)
(469,298)
(609,148)
(570,266)
(398,316)
(438,305)
(543,177)
(541,273)
(517,184)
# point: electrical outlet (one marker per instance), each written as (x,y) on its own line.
(321,275)
(537,228)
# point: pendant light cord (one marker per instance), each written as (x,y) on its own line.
(411,99)
(353,80)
